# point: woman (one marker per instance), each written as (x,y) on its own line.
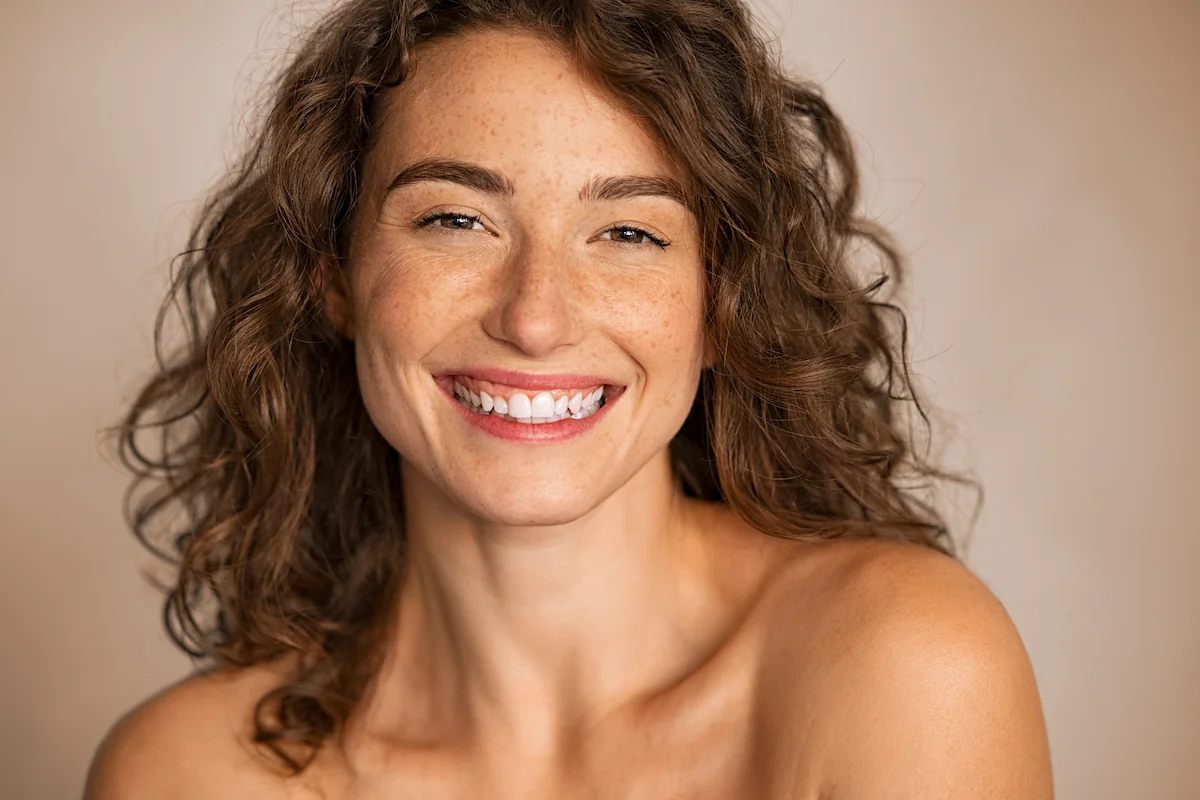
(537,439)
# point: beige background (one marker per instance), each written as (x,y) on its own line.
(1038,160)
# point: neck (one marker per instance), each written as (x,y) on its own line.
(526,633)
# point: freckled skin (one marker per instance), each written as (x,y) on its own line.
(569,626)
(532,286)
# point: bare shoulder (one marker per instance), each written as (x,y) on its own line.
(903,675)
(865,588)
(192,740)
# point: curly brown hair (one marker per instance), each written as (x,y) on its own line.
(292,536)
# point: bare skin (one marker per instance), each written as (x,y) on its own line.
(569,625)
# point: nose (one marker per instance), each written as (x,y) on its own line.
(535,310)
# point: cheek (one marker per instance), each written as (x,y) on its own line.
(660,317)
(402,312)
(666,297)
(406,306)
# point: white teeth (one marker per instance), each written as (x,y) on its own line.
(542,408)
(542,405)
(520,407)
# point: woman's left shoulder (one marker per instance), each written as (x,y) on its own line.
(906,672)
(859,594)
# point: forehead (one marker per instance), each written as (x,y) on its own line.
(516,102)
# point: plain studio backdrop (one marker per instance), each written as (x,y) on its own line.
(1037,159)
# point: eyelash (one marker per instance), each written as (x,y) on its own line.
(654,240)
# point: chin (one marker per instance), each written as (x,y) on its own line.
(547,502)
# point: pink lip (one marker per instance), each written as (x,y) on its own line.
(518,431)
(528,380)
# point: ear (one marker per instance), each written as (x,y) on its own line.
(333,289)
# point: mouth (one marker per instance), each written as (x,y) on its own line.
(535,400)
(524,399)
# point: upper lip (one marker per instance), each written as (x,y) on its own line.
(529,380)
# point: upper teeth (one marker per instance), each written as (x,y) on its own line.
(541,407)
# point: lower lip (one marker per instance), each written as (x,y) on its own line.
(528,432)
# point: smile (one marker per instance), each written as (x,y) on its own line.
(526,407)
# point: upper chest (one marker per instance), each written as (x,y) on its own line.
(715,735)
(750,721)
(652,763)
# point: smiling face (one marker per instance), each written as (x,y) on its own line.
(508,248)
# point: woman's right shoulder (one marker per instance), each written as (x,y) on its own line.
(194,739)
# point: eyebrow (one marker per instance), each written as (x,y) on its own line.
(487,181)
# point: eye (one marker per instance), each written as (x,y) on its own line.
(460,222)
(629,234)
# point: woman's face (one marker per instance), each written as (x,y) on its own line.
(493,255)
